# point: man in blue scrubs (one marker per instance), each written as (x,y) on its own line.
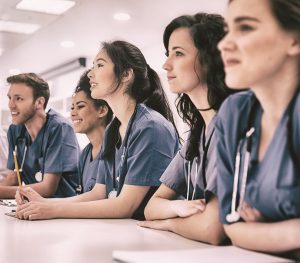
(46,148)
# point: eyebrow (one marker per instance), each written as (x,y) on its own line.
(173,48)
(81,101)
(100,59)
(14,95)
(247,18)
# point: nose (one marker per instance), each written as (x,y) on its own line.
(167,65)
(73,111)
(90,73)
(226,43)
(11,104)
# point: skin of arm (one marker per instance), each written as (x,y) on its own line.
(266,237)
(46,188)
(97,193)
(163,206)
(201,226)
(122,206)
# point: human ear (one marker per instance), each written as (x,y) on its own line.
(39,103)
(102,111)
(294,48)
(127,75)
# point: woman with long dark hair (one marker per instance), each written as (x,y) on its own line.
(195,72)
(138,145)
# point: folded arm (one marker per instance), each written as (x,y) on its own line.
(266,237)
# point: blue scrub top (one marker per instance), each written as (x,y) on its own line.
(152,144)
(273,184)
(55,150)
(176,175)
(88,168)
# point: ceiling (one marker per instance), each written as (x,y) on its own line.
(87,24)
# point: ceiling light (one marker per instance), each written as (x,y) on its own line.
(54,7)
(67,44)
(16,27)
(121,16)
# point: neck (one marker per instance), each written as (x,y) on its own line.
(123,107)
(96,138)
(199,99)
(35,124)
(275,94)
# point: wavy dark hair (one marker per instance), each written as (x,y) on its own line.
(146,86)
(206,31)
(84,85)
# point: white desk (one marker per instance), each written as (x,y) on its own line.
(83,240)
(79,240)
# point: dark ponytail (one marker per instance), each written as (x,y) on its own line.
(158,100)
(146,86)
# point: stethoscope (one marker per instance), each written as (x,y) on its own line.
(79,188)
(234,215)
(22,138)
(203,166)
(114,193)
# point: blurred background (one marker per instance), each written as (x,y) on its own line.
(59,39)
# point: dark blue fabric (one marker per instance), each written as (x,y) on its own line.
(152,144)
(273,185)
(55,150)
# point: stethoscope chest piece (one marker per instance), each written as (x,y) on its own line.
(233,217)
(112,194)
(39,176)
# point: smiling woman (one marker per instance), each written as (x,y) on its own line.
(138,144)
(89,117)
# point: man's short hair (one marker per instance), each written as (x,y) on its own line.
(40,87)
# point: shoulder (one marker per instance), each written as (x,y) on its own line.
(149,119)
(14,130)
(235,105)
(55,119)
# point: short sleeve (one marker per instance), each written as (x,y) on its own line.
(62,151)
(150,151)
(174,176)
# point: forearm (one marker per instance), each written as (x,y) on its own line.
(8,192)
(85,197)
(10,179)
(159,208)
(193,228)
(266,237)
(43,189)
(106,208)
(202,226)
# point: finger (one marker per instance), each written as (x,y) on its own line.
(33,217)
(143,223)
(26,192)
(18,198)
